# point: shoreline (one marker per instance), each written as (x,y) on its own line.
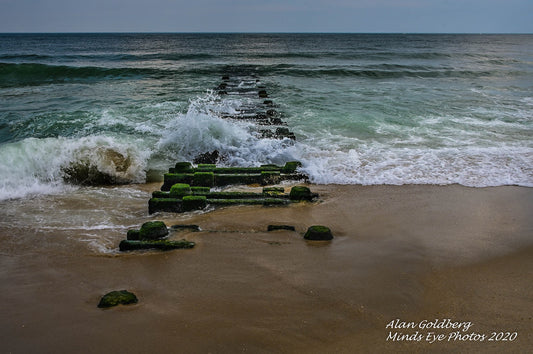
(411,252)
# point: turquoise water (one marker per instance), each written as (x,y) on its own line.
(366,109)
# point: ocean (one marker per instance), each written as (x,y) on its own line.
(365,108)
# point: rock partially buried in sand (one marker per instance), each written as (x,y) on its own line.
(301,193)
(280,227)
(120,297)
(318,233)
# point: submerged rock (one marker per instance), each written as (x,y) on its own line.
(318,233)
(120,297)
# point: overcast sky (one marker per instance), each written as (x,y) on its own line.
(450,16)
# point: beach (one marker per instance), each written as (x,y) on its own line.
(418,145)
(412,253)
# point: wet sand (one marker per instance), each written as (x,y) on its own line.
(412,253)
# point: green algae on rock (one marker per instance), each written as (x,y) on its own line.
(301,193)
(193,202)
(134,235)
(204,179)
(119,297)
(318,233)
(171,205)
(153,230)
(179,190)
(164,245)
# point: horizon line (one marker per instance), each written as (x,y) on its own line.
(258,32)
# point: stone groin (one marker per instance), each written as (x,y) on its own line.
(258,109)
(188,188)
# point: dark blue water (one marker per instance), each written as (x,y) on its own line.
(366,108)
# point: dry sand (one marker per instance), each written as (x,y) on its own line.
(412,253)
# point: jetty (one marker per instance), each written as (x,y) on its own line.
(187,187)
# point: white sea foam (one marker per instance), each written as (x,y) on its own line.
(37,166)
(370,165)
(201,129)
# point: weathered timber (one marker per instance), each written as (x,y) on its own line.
(201,198)
(164,245)
(208,175)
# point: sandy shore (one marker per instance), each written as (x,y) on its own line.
(413,253)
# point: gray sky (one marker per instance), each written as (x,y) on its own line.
(450,16)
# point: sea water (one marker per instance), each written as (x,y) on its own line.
(365,108)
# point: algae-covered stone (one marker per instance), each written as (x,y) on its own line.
(171,205)
(206,166)
(204,179)
(153,230)
(301,193)
(134,235)
(273,191)
(164,245)
(270,177)
(179,190)
(291,167)
(318,233)
(171,179)
(120,297)
(200,190)
(227,179)
(194,202)
(160,194)
(182,167)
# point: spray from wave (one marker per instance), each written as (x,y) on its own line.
(47,166)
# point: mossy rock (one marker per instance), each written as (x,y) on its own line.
(273,190)
(200,190)
(291,166)
(194,202)
(170,179)
(179,190)
(171,205)
(227,179)
(182,167)
(234,195)
(270,177)
(204,179)
(134,235)
(301,193)
(209,167)
(318,233)
(153,230)
(160,194)
(255,201)
(163,245)
(120,297)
